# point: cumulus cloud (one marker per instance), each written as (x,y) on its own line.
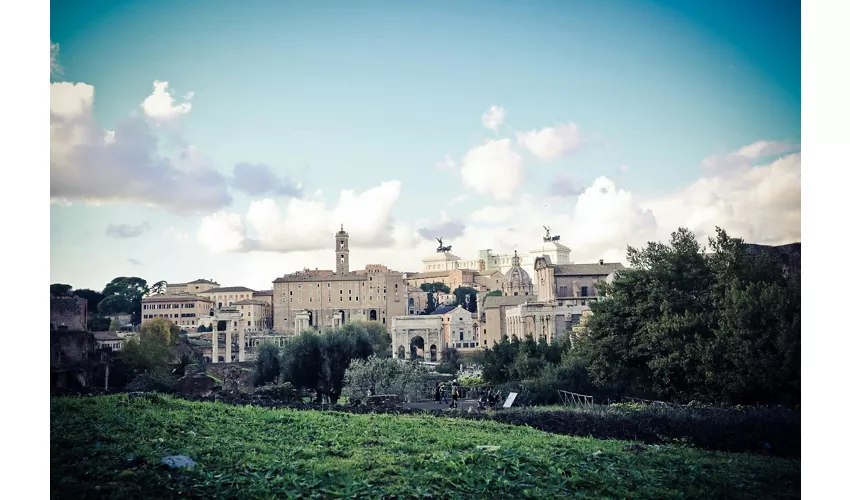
(258,179)
(55,68)
(746,157)
(758,203)
(564,186)
(307,224)
(88,163)
(493,118)
(121,231)
(446,227)
(160,105)
(550,143)
(493,168)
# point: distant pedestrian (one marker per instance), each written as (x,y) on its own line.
(437,392)
(443,396)
(455,394)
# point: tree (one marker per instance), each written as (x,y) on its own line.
(494,293)
(97,323)
(436,287)
(151,350)
(376,332)
(318,361)
(431,305)
(463,298)
(384,376)
(682,325)
(158,288)
(60,290)
(92,298)
(114,304)
(268,364)
(450,361)
(114,325)
(132,290)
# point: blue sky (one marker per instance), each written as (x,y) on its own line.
(337,97)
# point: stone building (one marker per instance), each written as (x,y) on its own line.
(195,287)
(68,313)
(256,316)
(493,313)
(226,296)
(572,284)
(482,281)
(488,262)
(186,310)
(324,299)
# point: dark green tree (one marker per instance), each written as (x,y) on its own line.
(60,290)
(151,351)
(92,297)
(494,293)
(435,287)
(132,289)
(464,298)
(432,305)
(318,361)
(268,364)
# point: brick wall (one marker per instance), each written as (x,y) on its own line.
(68,313)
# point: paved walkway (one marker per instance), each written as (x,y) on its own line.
(463,404)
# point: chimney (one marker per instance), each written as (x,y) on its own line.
(601,262)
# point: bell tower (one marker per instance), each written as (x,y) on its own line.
(341,251)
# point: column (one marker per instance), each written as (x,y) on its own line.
(228,339)
(215,342)
(241,345)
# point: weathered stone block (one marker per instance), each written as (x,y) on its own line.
(198,384)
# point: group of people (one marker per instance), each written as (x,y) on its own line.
(487,399)
(442,388)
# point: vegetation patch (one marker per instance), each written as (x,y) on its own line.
(113,446)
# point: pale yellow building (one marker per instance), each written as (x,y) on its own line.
(195,287)
(186,310)
(226,296)
(325,299)
(256,316)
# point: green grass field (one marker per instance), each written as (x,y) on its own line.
(110,446)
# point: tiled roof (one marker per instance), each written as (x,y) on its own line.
(169,297)
(588,269)
(438,274)
(103,336)
(227,289)
(250,302)
(262,293)
(201,281)
(297,278)
(494,301)
(487,272)
(444,309)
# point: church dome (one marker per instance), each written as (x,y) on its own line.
(517,277)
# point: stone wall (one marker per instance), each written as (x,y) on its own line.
(70,347)
(68,313)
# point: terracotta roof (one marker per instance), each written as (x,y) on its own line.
(226,289)
(494,301)
(168,297)
(262,293)
(588,269)
(250,302)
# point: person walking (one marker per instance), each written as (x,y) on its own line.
(437,392)
(443,397)
(455,393)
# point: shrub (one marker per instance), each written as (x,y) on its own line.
(385,376)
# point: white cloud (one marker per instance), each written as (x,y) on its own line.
(90,164)
(745,157)
(446,227)
(308,224)
(457,199)
(760,204)
(222,232)
(55,68)
(447,164)
(493,168)
(493,118)
(175,235)
(551,142)
(160,105)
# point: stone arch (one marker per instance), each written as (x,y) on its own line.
(400,352)
(373,315)
(417,347)
(433,350)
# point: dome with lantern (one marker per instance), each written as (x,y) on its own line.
(517,280)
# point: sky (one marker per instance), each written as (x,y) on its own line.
(229,141)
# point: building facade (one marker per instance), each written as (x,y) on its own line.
(572,284)
(195,287)
(421,336)
(256,316)
(185,310)
(320,299)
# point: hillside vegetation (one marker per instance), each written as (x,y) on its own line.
(112,446)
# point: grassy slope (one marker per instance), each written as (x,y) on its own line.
(103,447)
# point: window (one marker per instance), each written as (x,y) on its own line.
(584,292)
